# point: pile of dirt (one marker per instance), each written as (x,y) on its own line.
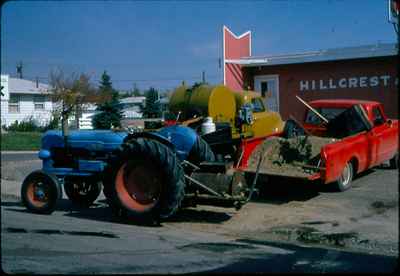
(287,156)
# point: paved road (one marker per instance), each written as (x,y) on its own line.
(88,241)
(212,239)
(18,156)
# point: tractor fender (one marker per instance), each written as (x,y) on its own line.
(180,139)
(150,135)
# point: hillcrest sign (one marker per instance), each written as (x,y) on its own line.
(345,83)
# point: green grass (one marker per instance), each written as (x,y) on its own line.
(20,141)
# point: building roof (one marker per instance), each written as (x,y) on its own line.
(22,86)
(132,100)
(366,51)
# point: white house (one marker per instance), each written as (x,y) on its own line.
(132,107)
(22,99)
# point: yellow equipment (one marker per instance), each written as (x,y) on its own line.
(243,110)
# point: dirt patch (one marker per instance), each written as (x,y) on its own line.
(291,157)
(61,232)
(311,235)
(217,247)
(380,207)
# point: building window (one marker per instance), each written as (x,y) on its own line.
(38,101)
(13,103)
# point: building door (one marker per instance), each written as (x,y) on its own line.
(268,86)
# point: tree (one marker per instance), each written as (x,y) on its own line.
(136,92)
(152,107)
(109,112)
(71,92)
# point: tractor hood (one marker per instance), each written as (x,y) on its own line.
(96,140)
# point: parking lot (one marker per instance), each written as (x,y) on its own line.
(362,220)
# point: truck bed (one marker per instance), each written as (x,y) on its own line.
(295,157)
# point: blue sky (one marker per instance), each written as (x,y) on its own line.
(161,43)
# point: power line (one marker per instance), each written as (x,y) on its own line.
(143,80)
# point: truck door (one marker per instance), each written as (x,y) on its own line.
(385,134)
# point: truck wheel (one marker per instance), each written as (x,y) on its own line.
(201,152)
(40,191)
(82,191)
(394,162)
(148,180)
(345,180)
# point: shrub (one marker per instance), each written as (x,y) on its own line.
(27,125)
(54,123)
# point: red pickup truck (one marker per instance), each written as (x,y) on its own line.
(365,138)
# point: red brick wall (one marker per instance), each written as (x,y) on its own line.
(291,75)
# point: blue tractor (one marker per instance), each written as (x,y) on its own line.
(144,175)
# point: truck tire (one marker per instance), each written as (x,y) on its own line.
(201,152)
(345,180)
(40,191)
(394,162)
(82,191)
(147,180)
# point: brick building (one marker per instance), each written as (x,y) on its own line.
(367,72)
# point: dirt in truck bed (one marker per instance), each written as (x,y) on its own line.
(286,157)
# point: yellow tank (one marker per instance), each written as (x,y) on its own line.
(179,99)
(223,105)
(217,102)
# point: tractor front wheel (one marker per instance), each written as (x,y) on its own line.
(82,191)
(40,191)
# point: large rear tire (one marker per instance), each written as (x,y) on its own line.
(201,152)
(145,179)
(40,191)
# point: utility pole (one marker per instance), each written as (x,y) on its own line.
(19,70)
(203,77)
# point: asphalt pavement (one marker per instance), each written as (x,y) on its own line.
(10,156)
(75,241)
(275,234)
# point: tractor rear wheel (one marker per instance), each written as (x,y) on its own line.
(82,191)
(201,152)
(40,191)
(147,180)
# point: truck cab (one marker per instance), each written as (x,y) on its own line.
(332,108)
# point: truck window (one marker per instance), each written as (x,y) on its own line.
(328,113)
(257,105)
(377,116)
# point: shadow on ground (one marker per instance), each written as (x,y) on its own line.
(282,190)
(100,211)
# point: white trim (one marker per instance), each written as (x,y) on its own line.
(223,51)
(235,36)
(223,46)
(249,44)
(269,77)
